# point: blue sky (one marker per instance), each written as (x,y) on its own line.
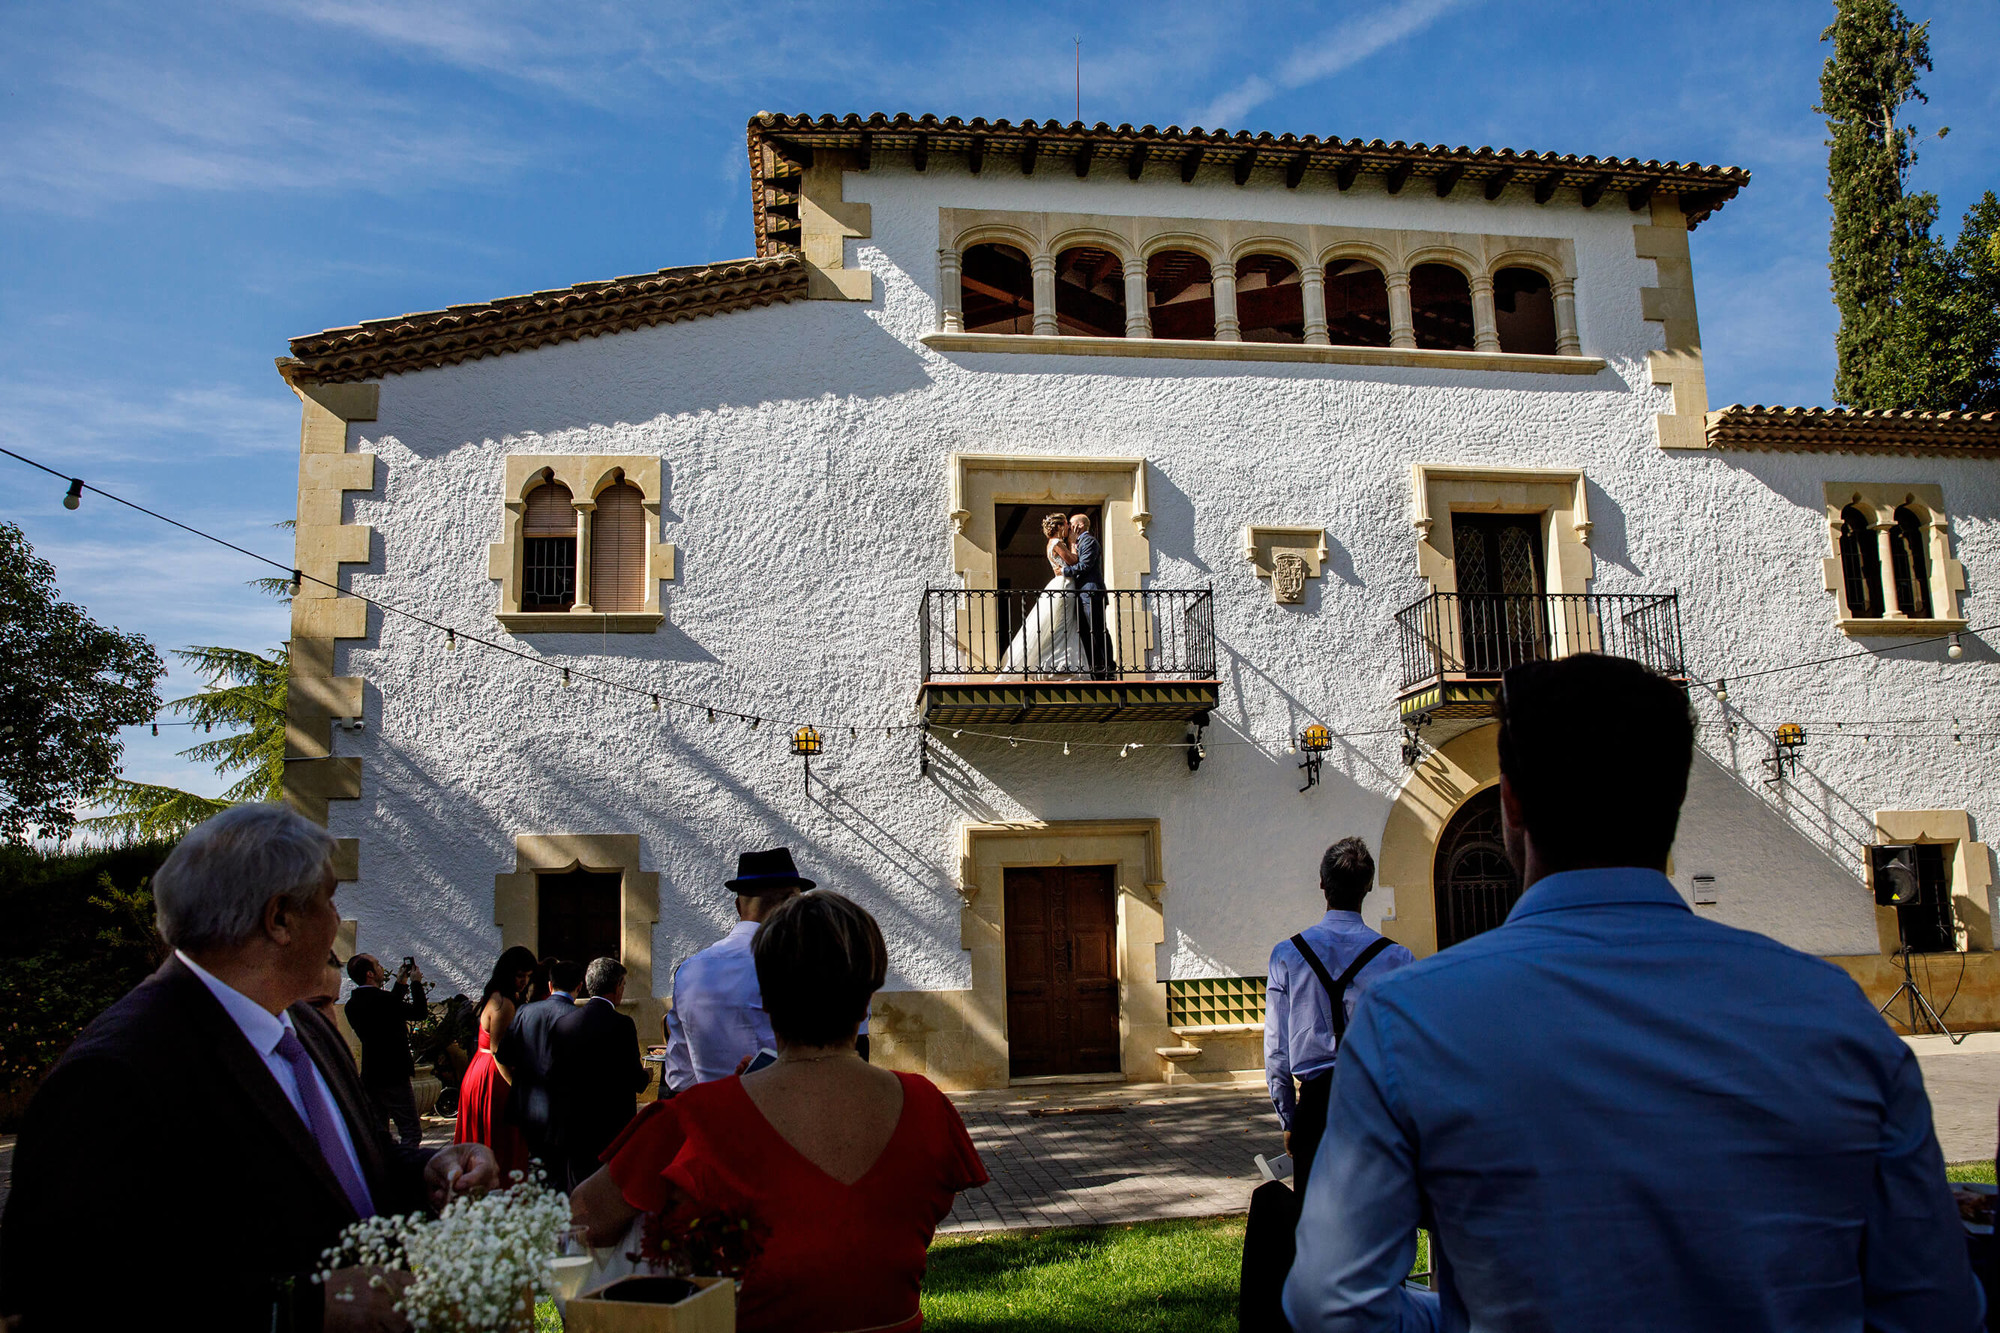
(183,187)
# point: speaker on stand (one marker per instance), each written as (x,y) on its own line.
(1898,884)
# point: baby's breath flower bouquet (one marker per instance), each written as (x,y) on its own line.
(474,1269)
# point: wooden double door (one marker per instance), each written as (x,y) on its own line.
(1062,978)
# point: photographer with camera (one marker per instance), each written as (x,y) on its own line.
(381,1019)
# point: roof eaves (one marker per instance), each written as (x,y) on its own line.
(471,331)
(1845,430)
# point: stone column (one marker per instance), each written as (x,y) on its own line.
(1137,322)
(1312,282)
(1485,322)
(1222,279)
(1402,326)
(584,509)
(1043,266)
(951,293)
(1892,605)
(1567,341)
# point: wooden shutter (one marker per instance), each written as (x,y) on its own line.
(549,512)
(618,551)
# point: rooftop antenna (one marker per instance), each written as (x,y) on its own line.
(1079,80)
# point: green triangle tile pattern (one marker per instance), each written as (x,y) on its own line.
(1213,1002)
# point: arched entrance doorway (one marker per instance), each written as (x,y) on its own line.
(1474,882)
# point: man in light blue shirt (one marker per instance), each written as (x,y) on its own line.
(1301,1032)
(718,1020)
(1610,1113)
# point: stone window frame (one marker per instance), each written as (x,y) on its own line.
(1559,494)
(587,476)
(517,903)
(1947,576)
(1042,237)
(958,1038)
(1971,873)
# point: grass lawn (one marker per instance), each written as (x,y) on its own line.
(1149,1277)
(1971,1172)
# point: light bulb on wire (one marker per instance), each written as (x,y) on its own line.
(74,496)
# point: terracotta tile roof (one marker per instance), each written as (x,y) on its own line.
(459,333)
(781,144)
(1841,430)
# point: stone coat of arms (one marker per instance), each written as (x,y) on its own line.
(1288,577)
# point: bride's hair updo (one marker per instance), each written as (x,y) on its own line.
(1053,524)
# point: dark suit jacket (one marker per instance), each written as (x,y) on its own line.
(161,1168)
(594,1082)
(381,1019)
(1088,571)
(527,1050)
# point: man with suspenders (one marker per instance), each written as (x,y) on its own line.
(1316,977)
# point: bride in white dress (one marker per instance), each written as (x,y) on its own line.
(1050,641)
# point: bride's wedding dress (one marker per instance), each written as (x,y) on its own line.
(1050,640)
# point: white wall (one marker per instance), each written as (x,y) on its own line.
(804,452)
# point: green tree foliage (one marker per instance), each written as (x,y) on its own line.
(246,692)
(67,684)
(1919,319)
(79,935)
(1948,336)
(1878,230)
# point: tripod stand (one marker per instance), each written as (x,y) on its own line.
(1916,994)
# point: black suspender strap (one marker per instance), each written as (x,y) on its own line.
(1338,989)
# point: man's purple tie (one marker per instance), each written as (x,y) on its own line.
(325,1132)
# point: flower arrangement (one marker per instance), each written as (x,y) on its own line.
(716,1244)
(476,1268)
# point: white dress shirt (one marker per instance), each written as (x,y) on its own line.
(264,1030)
(718,1015)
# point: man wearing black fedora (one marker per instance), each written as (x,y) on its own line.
(718,1022)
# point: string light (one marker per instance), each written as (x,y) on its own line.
(451,640)
(1013,744)
(656,703)
(711,715)
(1065,747)
(1956,650)
(566,679)
(1124,750)
(956,734)
(755,722)
(156,728)
(75,494)
(1721,690)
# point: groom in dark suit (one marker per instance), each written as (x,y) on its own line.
(207,1136)
(1088,575)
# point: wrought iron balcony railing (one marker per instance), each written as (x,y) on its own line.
(973,635)
(1458,636)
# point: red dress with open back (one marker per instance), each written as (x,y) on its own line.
(836,1258)
(482,1112)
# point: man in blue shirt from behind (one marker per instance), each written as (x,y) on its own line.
(1610,1113)
(1301,1032)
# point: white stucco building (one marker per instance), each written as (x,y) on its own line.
(1360,424)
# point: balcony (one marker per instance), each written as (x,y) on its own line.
(1161,668)
(1455,645)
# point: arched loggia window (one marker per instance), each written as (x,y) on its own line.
(1860,565)
(996,289)
(548,549)
(1180,295)
(618,550)
(1441,307)
(1090,293)
(1524,311)
(1910,554)
(1270,302)
(1357,304)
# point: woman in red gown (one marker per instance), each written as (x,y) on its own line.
(482,1094)
(844,1170)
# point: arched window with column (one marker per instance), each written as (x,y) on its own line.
(1270,300)
(1909,552)
(1357,304)
(996,289)
(618,550)
(1090,292)
(548,549)
(1860,565)
(1441,307)
(1524,311)
(1180,295)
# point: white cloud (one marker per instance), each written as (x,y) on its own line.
(97,422)
(1318,58)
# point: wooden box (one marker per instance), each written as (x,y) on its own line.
(710,1310)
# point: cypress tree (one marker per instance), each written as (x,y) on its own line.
(1879,232)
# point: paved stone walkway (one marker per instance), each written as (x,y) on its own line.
(1140,1152)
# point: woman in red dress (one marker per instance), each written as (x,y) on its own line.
(844,1169)
(482,1094)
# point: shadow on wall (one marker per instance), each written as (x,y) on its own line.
(414,812)
(1136,367)
(1786,866)
(1801,479)
(805,351)
(1172,530)
(1607,529)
